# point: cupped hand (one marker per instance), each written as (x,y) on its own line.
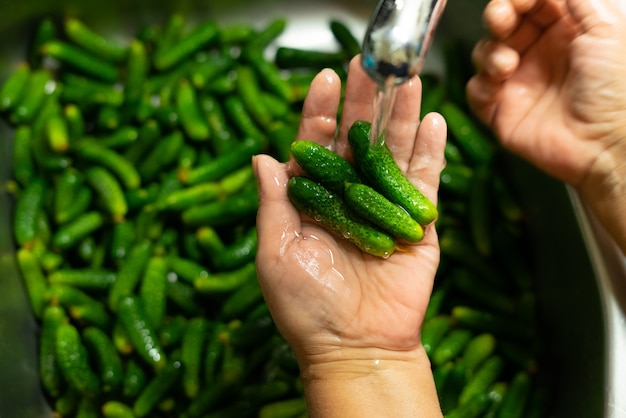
(325,295)
(551,81)
(551,85)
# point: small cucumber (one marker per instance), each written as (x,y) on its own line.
(201,36)
(192,347)
(88,278)
(82,307)
(514,402)
(109,189)
(486,375)
(81,60)
(117,409)
(28,205)
(34,279)
(226,281)
(74,361)
(14,87)
(235,255)
(479,349)
(346,39)
(433,332)
(379,169)
(134,379)
(23,161)
(49,372)
(467,133)
(157,388)
(107,359)
(130,273)
(83,35)
(141,334)
(329,210)
(152,290)
(324,166)
(376,208)
(74,231)
(451,345)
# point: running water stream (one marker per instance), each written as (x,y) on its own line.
(394,48)
(383,106)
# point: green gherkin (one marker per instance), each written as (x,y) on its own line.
(329,210)
(379,169)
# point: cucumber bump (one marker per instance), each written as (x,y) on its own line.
(314,200)
(379,169)
(371,205)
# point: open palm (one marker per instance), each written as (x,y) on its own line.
(326,295)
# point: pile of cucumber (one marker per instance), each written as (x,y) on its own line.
(372,205)
(134,226)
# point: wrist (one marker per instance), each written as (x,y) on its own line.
(604,191)
(362,382)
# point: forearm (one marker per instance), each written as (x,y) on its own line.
(392,386)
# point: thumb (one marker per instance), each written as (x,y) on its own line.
(591,15)
(278,222)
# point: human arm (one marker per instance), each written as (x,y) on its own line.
(352,319)
(551,85)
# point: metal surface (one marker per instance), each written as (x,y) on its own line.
(398,37)
(579,287)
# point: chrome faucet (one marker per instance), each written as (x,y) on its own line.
(398,38)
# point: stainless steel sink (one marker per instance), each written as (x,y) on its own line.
(581,295)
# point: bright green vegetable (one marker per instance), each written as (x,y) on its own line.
(49,371)
(33,276)
(379,169)
(317,202)
(143,336)
(27,207)
(14,87)
(106,357)
(73,361)
(374,207)
(81,60)
(82,35)
(324,166)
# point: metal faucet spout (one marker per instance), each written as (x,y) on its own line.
(398,38)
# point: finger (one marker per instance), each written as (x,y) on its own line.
(496,59)
(501,18)
(358,103)
(404,121)
(278,222)
(482,92)
(427,160)
(519,23)
(319,111)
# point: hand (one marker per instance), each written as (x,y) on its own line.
(551,84)
(345,313)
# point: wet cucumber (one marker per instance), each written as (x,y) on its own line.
(376,208)
(74,361)
(379,169)
(141,334)
(317,202)
(27,207)
(107,359)
(49,372)
(323,165)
